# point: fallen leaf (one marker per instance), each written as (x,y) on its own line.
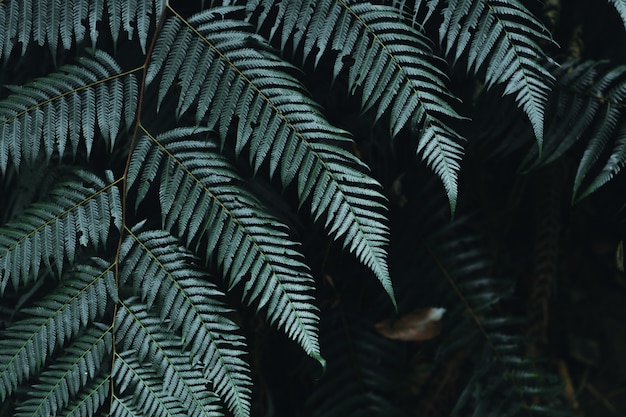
(419,325)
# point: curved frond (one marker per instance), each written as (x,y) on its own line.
(77,213)
(42,22)
(90,399)
(63,109)
(588,105)
(163,271)
(389,62)
(608,124)
(505,380)
(502,38)
(84,294)
(150,363)
(69,374)
(205,199)
(236,81)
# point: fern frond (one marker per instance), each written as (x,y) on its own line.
(588,103)
(42,116)
(279,123)
(70,373)
(156,264)
(205,199)
(416,8)
(502,37)
(389,62)
(608,123)
(148,393)
(505,381)
(571,112)
(151,360)
(90,399)
(620,6)
(155,403)
(27,344)
(77,212)
(28,20)
(42,22)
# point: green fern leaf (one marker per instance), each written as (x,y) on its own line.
(573,109)
(205,199)
(147,398)
(78,212)
(70,373)
(502,38)
(279,123)
(587,104)
(44,22)
(389,62)
(607,124)
(151,360)
(40,117)
(26,345)
(157,265)
(90,399)
(504,380)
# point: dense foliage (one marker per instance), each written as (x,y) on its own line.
(219,208)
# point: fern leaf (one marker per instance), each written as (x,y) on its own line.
(190,304)
(78,212)
(40,117)
(620,6)
(203,198)
(280,125)
(504,380)
(90,399)
(502,38)
(129,14)
(25,346)
(587,104)
(71,372)
(608,123)
(389,62)
(169,372)
(613,165)
(25,21)
(148,396)
(572,111)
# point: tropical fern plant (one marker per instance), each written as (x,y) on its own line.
(190,190)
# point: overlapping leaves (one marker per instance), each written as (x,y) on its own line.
(232,81)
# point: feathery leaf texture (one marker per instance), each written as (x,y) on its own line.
(150,360)
(163,272)
(103,314)
(500,363)
(388,62)
(66,106)
(89,400)
(502,37)
(206,201)
(64,379)
(26,346)
(78,212)
(25,21)
(282,127)
(587,103)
